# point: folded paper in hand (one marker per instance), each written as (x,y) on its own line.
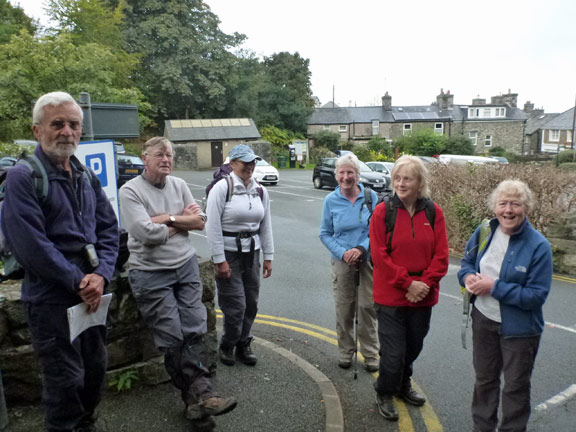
(79,319)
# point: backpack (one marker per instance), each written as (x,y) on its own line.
(390,217)
(12,268)
(223,172)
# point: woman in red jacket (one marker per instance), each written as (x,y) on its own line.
(409,262)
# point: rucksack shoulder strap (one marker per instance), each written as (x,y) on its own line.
(39,174)
(230,182)
(368,198)
(430,210)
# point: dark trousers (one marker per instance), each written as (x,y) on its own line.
(495,355)
(238,297)
(72,373)
(401,331)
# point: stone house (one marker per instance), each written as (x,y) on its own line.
(205,143)
(549,133)
(499,123)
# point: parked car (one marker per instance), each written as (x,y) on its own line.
(8,161)
(383,167)
(265,173)
(129,167)
(428,159)
(500,159)
(466,159)
(23,142)
(119,148)
(324,175)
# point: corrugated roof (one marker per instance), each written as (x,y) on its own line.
(210,129)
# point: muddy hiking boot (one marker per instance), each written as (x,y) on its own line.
(210,406)
(227,356)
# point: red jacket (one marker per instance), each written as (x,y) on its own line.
(415,248)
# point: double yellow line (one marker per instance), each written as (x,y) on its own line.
(405,423)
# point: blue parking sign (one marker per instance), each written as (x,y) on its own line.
(98,164)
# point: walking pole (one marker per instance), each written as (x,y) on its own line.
(357,283)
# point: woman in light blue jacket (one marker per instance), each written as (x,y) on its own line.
(344,231)
(509,280)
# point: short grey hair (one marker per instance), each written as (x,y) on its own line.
(54,99)
(163,142)
(512,188)
(349,159)
(418,169)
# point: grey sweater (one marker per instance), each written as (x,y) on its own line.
(150,246)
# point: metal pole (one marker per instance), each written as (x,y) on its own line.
(573,129)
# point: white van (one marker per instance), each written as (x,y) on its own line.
(466,159)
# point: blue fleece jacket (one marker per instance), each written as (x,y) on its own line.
(524,281)
(345,225)
(48,240)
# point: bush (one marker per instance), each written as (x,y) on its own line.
(564,157)
(460,145)
(462,190)
(422,143)
(569,166)
(318,153)
(326,138)
(362,152)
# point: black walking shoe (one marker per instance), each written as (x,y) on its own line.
(412,397)
(245,355)
(227,356)
(386,407)
(210,406)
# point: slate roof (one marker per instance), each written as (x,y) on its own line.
(562,121)
(210,130)
(402,114)
(536,122)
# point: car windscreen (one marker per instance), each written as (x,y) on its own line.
(134,160)
(262,163)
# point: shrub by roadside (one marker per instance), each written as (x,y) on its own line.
(462,191)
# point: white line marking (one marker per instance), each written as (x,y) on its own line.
(558,399)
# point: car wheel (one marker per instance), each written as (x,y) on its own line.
(317,182)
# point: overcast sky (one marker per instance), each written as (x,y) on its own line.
(411,50)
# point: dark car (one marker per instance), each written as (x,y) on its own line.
(128,168)
(324,176)
(8,161)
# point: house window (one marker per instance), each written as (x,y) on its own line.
(486,112)
(326,127)
(439,128)
(407,128)
(500,112)
(472,112)
(343,128)
(569,137)
(375,127)
(473,135)
(488,141)
(555,135)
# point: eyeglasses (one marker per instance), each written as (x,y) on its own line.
(160,156)
(60,124)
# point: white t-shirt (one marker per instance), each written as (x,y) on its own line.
(490,266)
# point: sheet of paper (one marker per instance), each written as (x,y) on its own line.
(79,319)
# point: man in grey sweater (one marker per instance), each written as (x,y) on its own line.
(158,210)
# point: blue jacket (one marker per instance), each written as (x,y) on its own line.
(524,281)
(345,225)
(48,240)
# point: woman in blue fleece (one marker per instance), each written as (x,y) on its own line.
(344,231)
(509,280)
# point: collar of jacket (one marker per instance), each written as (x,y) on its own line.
(494,224)
(418,206)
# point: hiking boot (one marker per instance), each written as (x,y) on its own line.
(245,355)
(344,364)
(206,424)
(372,365)
(210,406)
(227,356)
(87,424)
(412,397)
(386,407)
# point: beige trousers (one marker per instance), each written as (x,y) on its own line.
(345,297)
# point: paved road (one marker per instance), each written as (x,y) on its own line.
(300,290)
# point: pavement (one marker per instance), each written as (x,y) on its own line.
(282,392)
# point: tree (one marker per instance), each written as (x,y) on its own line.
(32,67)
(380,146)
(327,139)
(184,54)
(460,145)
(422,143)
(12,20)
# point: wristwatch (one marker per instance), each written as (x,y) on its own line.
(171,220)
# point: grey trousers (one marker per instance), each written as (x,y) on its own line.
(495,355)
(238,297)
(170,302)
(345,297)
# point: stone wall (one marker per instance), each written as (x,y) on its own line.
(130,344)
(562,237)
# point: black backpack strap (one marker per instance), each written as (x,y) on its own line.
(430,211)
(368,199)
(390,219)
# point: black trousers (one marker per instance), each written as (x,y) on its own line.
(401,331)
(72,373)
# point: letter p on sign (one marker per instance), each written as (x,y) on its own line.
(98,164)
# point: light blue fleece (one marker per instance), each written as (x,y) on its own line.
(345,225)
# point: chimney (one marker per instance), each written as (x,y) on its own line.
(445,100)
(387,102)
(528,107)
(510,99)
(478,101)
